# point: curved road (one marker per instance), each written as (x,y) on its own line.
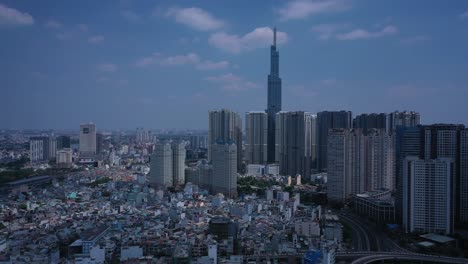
(367,238)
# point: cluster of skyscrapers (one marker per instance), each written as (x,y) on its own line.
(50,148)
(426,166)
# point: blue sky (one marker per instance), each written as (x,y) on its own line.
(124,64)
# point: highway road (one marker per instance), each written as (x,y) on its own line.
(379,256)
(365,237)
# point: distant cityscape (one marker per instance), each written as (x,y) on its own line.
(272,186)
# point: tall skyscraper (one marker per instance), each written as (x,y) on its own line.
(274,99)
(178,163)
(39,149)
(225,168)
(256,130)
(161,167)
(88,140)
(326,121)
(428,204)
(225,125)
(295,142)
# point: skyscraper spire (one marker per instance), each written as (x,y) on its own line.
(274,99)
(274,36)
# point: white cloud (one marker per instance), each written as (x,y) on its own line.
(11,16)
(96,39)
(185,59)
(191,58)
(83,27)
(107,67)
(53,24)
(131,16)
(232,83)
(327,31)
(195,18)
(464,15)
(259,37)
(211,65)
(300,9)
(414,40)
(365,34)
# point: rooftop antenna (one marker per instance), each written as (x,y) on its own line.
(274,36)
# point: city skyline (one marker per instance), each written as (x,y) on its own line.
(375,59)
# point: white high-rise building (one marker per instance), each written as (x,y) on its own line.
(39,149)
(256,130)
(225,168)
(428,201)
(88,140)
(178,163)
(161,173)
(225,126)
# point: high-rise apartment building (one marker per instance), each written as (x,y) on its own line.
(224,168)
(198,141)
(226,126)
(161,167)
(52,147)
(178,163)
(428,204)
(380,160)
(462,181)
(39,149)
(326,121)
(359,162)
(294,143)
(313,135)
(256,130)
(370,121)
(404,119)
(142,135)
(274,100)
(338,182)
(88,140)
(435,142)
